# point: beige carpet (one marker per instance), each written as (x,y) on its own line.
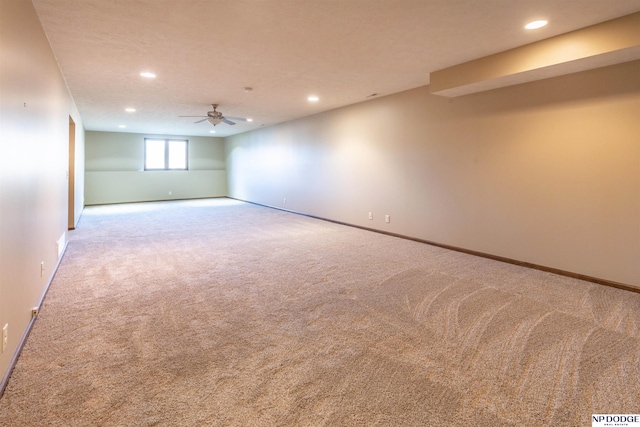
(215,312)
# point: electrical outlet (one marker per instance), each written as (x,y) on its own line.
(42,269)
(5,337)
(285,201)
(370,215)
(387,218)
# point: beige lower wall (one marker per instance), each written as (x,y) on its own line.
(132,186)
(546,172)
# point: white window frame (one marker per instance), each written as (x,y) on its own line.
(166,154)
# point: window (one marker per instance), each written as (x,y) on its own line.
(165,154)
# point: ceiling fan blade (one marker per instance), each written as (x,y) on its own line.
(237,119)
(193,116)
(229,122)
(200,121)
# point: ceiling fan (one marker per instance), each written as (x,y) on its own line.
(215,117)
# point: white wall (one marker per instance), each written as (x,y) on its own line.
(115,170)
(546,172)
(35,108)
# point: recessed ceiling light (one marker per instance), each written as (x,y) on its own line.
(148,75)
(249,120)
(130,110)
(122,126)
(212,131)
(536,24)
(313,98)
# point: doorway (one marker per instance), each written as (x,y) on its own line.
(71,175)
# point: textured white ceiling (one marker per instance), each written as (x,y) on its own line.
(206,51)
